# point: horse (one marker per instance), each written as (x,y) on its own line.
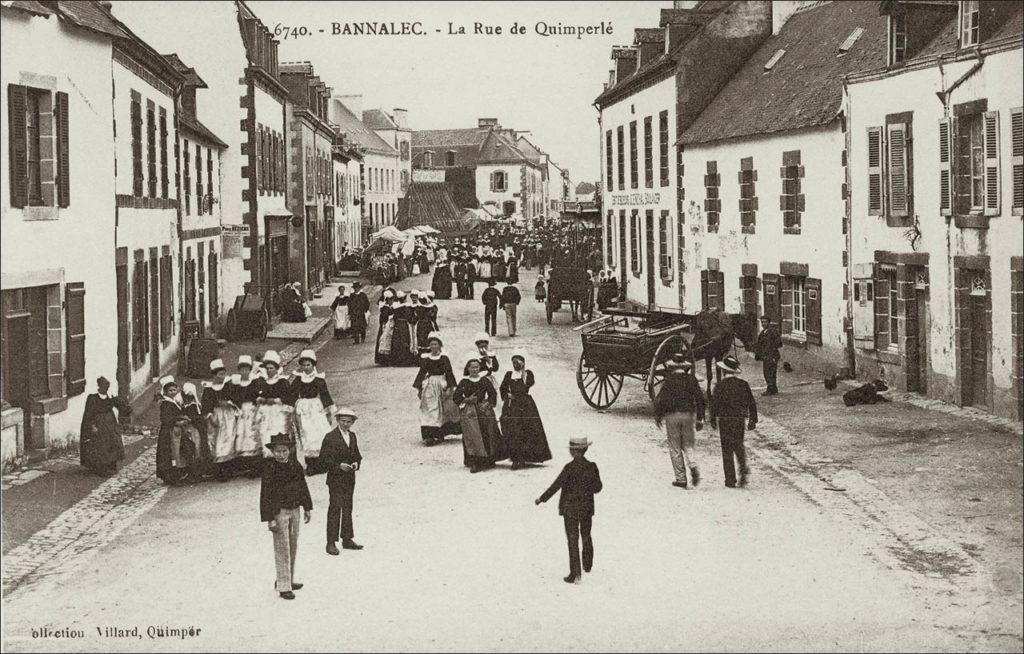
(714,333)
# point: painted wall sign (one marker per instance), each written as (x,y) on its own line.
(635,199)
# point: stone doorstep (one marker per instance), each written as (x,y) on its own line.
(300,331)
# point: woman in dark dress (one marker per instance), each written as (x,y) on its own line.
(512,271)
(381,355)
(498,267)
(403,340)
(275,402)
(100,446)
(426,323)
(174,450)
(435,384)
(520,420)
(442,282)
(482,442)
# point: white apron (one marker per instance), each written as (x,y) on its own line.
(341,318)
(311,426)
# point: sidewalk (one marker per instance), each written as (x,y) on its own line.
(34,495)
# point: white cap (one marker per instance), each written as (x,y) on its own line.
(273,357)
(188,388)
(215,365)
(245,360)
(164,381)
(308,354)
(414,292)
(481,336)
(345,411)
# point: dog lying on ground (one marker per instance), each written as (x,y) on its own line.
(866,394)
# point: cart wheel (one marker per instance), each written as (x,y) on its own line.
(261,328)
(549,310)
(231,325)
(656,373)
(599,388)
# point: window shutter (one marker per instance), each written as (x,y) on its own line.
(63,162)
(992,184)
(1017,160)
(74,372)
(875,171)
(770,288)
(17,101)
(945,166)
(213,295)
(881,313)
(786,302)
(812,288)
(259,157)
(166,302)
(898,196)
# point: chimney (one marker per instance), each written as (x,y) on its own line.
(109,6)
(486,123)
(401,118)
(625,61)
(783,9)
(353,102)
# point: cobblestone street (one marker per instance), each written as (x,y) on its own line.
(859,568)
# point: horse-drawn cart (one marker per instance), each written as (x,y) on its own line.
(572,285)
(628,344)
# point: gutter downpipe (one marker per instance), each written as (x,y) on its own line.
(851,352)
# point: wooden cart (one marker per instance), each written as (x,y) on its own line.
(630,344)
(572,285)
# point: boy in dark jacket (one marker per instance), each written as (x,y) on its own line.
(490,298)
(578,481)
(732,404)
(282,492)
(340,457)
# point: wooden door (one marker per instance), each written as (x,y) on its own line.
(17,342)
(772,305)
(154,317)
(623,255)
(976,377)
(648,237)
(124,363)
(921,371)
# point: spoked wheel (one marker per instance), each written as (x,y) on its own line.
(599,388)
(658,370)
(261,328)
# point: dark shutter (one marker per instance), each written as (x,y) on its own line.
(881,312)
(946,166)
(875,171)
(63,162)
(164,182)
(75,313)
(136,118)
(259,172)
(166,304)
(786,305)
(812,287)
(772,293)
(992,185)
(17,102)
(1017,159)
(213,295)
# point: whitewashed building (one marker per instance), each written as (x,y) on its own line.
(937,195)
(381,163)
(394,129)
(348,221)
(57,216)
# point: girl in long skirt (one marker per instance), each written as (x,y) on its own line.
(385,330)
(100,445)
(275,402)
(520,421)
(202,463)
(174,455)
(425,323)
(434,384)
(481,438)
(313,410)
(403,341)
(339,308)
(245,392)
(222,416)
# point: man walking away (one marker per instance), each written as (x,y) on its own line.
(766,350)
(579,481)
(510,299)
(490,298)
(358,310)
(732,404)
(680,404)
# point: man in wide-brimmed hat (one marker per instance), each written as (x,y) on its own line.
(340,457)
(578,481)
(732,406)
(766,350)
(282,492)
(680,405)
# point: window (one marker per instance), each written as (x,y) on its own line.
(846,45)
(213,295)
(499,181)
(663,147)
(404,150)
(712,201)
(634,242)
(187,168)
(200,198)
(791,202)
(24,343)
(886,308)
(136,117)
(449,158)
(1017,161)
(796,287)
(634,172)
(665,247)
(74,373)
(774,60)
(622,240)
(622,157)
(33,130)
(151,148)
(897,37)
(648,154)
(608,162)
(712,289)
(890,189)
(971,159)
(748,195)
(969,23)
(164,181)
(140,311)
(166,301)
(209,179)
(428,159)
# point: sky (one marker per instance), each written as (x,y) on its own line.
(544,84)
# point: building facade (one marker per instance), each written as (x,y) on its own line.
(937,190)
(394,129)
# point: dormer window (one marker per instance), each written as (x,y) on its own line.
(970,19)
(428,159)
(449,158)
(774,60)
(897,38)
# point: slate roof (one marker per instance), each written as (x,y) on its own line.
(378,119)
(358,133)
(192,78)
(945,40)
(192,124)
(31,6)
(804,88)
(91,16)
(441,138)
(498,148)
(429,203)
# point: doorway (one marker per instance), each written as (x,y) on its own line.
(648,237)
(917,342)
(975,345)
